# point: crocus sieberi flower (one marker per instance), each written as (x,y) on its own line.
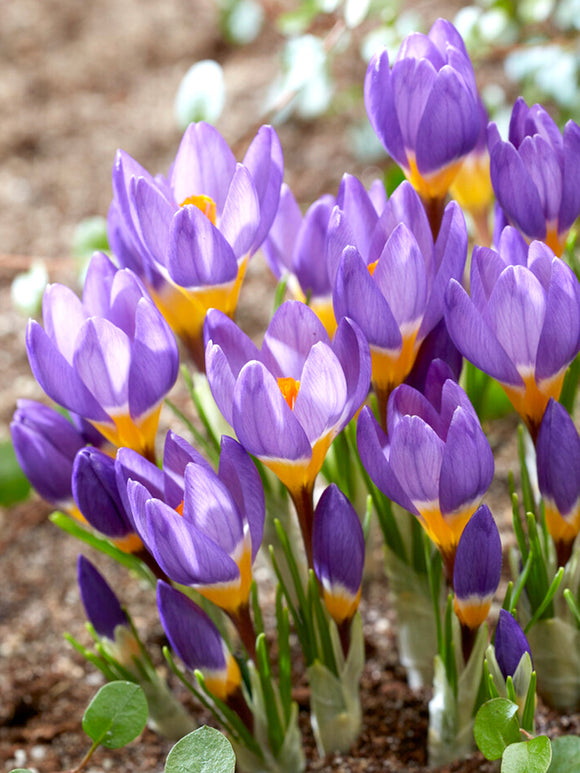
(111,358)
(396,294)
(477,569)
(558,460)
(338,549)
(96,494)
(436,461)
(510,644)
(105,614)
(521,324)
(191,234)
(197,641)
(298,245)
(425,109)
(45,444)
(535,174)
(210,537)
(289,400)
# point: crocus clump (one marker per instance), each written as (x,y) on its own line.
(435,462)
(396,294)
(111,358)
(289,400)
(521,324)
(535,174)
(425,109)
(558,460)
(189,235)
(300,245)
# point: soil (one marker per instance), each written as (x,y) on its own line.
(78,80)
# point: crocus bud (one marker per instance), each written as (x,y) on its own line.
(101,605)
(558,460)
(45,444)
(338,549)
(477,568)
(197,641)
(511,644)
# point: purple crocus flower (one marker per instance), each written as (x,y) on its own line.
(289,400)
(197,641)
(95,491)
(558,460)
(436,461)
(298,244)
(45,444)
(101,605)
(397,296)
(535,174)
(189,236)
(510,644)
(338,549)
(425,109)
(522,322)
(110,358)
(203,529)
(477,569)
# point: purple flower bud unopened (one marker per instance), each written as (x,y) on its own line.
(477,569)
(338,551)
(101,605)
(197,641)
(510,644)
(45,444)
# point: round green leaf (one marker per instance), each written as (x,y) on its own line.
(496,726)
(206,750)
(565,754)
(528,756)
(116,715)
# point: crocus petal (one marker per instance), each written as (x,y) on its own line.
(322,394)
(177,454)
(515,190)
(198,254)
(279,244)
(449,123)
(478,558)
(209,506)
(404,206)
(154,213)
(190,631)
(57,377)
(155,360)
(126,291)
(241,214)
(467,465)
(510,643)
(263,421)
(265,162)
(416,457)
(130,465)
(570,206)
(375,455)
(238,472)
(380,107)
(63,316)
(486,267)
(357,296)
(355,201)
(102,607)
(308,262)
(560,337)
(473,337)
(558,449)
(352,350)
(544,169)
(204,165)
(406,401)
(292,332)
(95,491)
(450,255)
(412,81)
(97,287)
(102,360)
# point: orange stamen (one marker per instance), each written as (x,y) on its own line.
(289,388)
(205,203)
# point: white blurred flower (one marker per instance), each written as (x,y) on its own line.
(201,94)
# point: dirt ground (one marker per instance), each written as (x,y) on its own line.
(77,81)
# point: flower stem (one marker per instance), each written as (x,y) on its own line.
(304,504)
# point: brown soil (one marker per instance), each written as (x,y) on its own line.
(78,80)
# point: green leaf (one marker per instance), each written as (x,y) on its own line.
(206,750)
(116,715)
(565,754)
(21,770)
(528,756)
(496,727)
(14,486)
